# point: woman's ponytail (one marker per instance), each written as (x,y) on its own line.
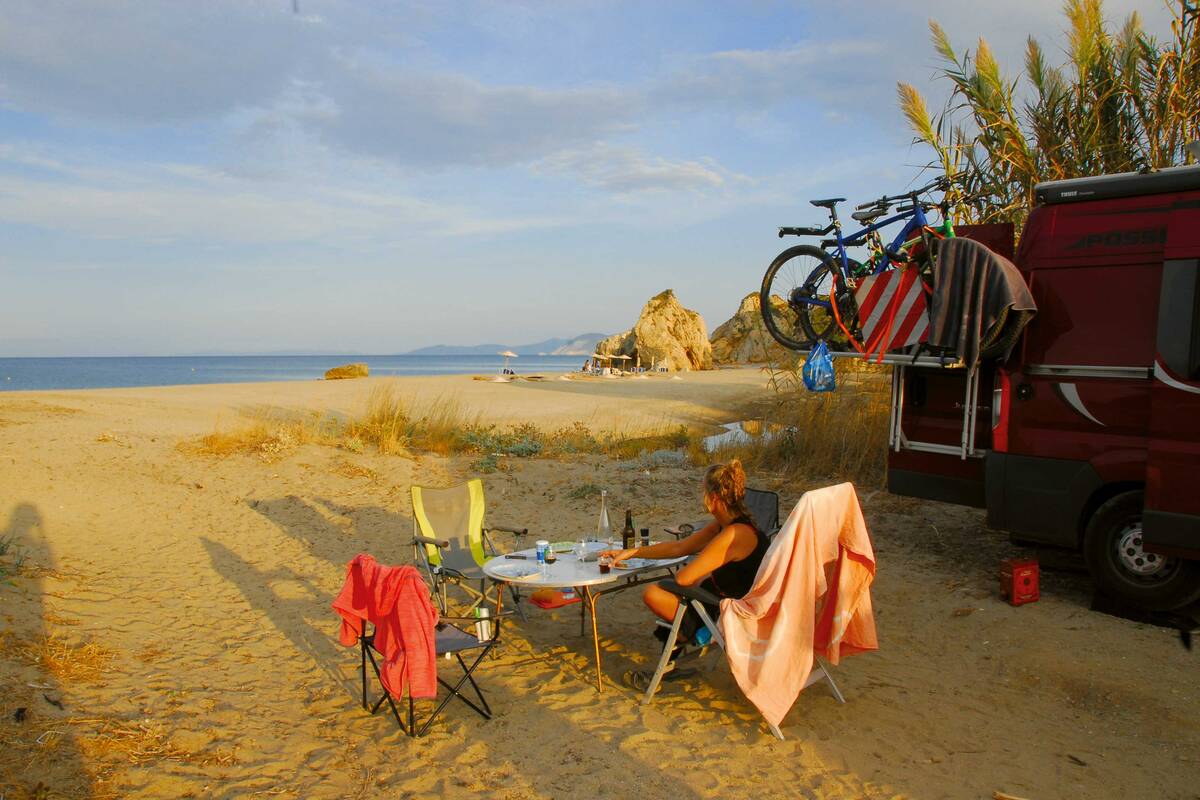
(728,482)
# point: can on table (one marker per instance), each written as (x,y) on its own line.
(645,537)
(542,546)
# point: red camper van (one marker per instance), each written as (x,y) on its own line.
(1089,436)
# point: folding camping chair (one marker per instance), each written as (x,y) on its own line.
(703,602)
(451,543)
(449,641)
(706,605)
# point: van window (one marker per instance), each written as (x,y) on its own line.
(1179,318)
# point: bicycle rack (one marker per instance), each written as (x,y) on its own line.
(897,440)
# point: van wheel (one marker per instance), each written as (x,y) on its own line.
(1112,545)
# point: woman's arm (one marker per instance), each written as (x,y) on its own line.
(732,544)
(680,547)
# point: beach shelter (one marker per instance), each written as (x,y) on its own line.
(507,355)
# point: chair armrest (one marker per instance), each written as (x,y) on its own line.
(501,615)
(503,529)
(690,592)
(686,529)
(445,545)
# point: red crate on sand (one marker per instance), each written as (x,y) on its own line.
(1019,580)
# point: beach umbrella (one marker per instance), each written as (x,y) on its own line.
(507,355)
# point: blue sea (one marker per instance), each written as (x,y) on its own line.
(23,374)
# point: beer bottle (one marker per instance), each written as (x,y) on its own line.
(627,533)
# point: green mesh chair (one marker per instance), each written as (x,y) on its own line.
(451,543)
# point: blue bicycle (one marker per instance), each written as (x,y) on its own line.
(808,291)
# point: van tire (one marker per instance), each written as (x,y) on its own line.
(1112,548)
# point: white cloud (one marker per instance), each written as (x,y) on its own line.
(626,170)
(438,119)
(123,61)
(166,203)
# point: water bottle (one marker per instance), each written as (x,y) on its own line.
(483,628)
(603,526)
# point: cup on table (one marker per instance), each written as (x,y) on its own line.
(542,546)
(581,549)
(605,564)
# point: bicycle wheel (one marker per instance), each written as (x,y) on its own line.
(781,299)
(819,322)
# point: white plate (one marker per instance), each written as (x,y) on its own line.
(640,563)
(515,571)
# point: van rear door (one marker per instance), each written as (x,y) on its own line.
(1171,521)
(930,456)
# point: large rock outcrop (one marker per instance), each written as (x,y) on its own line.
(357,370)
(744,339)
(666,334)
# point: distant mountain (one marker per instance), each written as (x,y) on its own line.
(582,345)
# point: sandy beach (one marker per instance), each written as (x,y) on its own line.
(188,597)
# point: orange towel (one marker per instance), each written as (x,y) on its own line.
(396,601)
(811,594)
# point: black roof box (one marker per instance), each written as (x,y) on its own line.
(1124,184)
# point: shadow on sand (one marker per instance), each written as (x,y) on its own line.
(33,709)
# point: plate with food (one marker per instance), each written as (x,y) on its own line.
(514,571)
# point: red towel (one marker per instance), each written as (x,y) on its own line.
(396,601)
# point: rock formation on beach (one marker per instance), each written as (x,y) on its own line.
(743,338)
(666,334)
(356,370)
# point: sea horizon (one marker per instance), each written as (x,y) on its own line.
(54,373)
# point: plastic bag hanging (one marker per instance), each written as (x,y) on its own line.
(818,369)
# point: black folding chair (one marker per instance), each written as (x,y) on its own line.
(762,505)
(449,639)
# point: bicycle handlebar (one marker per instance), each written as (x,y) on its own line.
(940,183)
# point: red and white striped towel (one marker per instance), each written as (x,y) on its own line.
(892,311)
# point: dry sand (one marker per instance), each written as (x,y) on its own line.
(209,582)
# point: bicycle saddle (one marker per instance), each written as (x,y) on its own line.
(869,214)
(830,203)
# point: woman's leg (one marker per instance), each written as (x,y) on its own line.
(661,602)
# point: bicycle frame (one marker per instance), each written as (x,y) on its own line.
(916,222)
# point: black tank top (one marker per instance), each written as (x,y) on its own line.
(735,578)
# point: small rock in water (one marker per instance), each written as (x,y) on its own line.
(356,370)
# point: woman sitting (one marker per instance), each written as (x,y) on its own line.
(728,550)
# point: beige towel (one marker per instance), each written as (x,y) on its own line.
(811,595)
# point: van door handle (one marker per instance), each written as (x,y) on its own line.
(1024,391)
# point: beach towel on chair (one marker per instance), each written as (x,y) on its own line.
(811,596)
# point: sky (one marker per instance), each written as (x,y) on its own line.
(373,177)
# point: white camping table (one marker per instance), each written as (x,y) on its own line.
(569,572)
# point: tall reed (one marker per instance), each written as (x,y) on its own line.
(1122,102)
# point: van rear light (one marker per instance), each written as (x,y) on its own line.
(1001,400)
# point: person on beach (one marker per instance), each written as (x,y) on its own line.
(728,551)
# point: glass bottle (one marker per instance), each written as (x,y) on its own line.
(627,534)
(603,526)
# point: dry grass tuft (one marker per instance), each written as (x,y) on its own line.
(840,435)
(351,470)
(391,426)
(632,446)
(68,661)
(443,428)
(143,742)
(243,441)
(384,425)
